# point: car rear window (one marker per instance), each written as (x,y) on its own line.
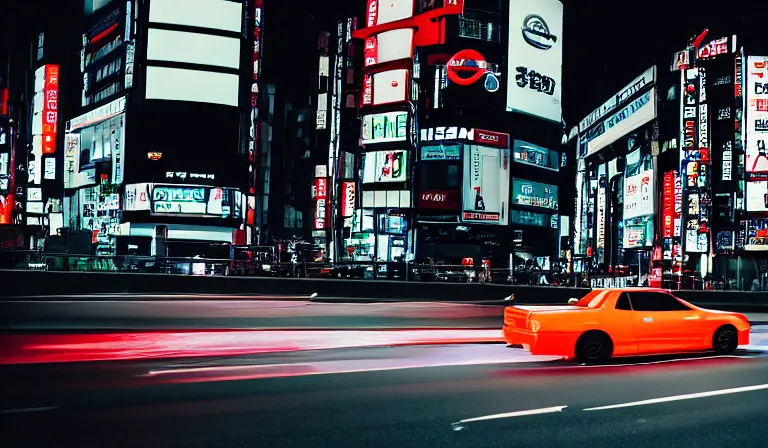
(594,299)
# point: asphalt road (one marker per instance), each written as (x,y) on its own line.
(283,401)
(208,312)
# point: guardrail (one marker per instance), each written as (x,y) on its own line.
(412,272)
(41,283)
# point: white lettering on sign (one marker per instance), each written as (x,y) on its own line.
(373,12)
(434,197)
(727,167)
(446,133)
(482,136)
(703,127)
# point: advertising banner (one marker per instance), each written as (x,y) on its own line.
(389,46)
(756,164)
(757,235)
(486,185)
(678,205)
(440,152)
(534,194)
(635,114)
(385,127)
(601,200)
(442,200)
(720,90)
(646,79)
(638,198)
(535,58)
(638,195)
(481,136)
(757,196)
(388,87)
(670,212)
(385,166)
(689,112)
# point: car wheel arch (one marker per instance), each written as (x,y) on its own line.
(593,332)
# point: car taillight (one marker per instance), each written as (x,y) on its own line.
(528,321)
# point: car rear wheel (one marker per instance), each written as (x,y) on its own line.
(594,347)
(725,340)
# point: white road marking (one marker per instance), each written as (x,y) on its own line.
(457,426)
(712,393)
(23,410)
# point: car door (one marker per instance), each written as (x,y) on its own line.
(622,327)
(663,324)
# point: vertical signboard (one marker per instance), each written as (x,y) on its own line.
(50,108)
(721,99)
(602,180)
(321,207)
(347,199)
(638,201)
(668,207)
(695,160)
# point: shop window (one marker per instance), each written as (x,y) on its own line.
(367,221)
(97,146)
(392,224)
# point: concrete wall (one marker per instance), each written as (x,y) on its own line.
(31,283)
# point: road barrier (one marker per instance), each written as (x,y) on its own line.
(45,283)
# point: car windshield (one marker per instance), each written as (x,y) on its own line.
(594,299)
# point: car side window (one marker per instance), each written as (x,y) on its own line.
(656,301)
(623,302)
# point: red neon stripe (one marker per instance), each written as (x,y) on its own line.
(103,34)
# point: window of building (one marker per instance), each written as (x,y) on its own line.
(478,28)
(438,175)
(656,301)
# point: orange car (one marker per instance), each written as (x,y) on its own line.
(623,322)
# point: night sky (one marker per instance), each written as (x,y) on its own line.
(606,43)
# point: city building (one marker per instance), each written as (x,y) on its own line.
(156,150)
(462,132)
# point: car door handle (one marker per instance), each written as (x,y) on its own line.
(647,319)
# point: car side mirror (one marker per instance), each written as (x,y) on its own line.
(573,301)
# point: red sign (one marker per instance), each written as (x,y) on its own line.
(490,138)
(466,67)
(50,108)
(668,208)
(371,52)
(4,102)
(714,48)
(347,199)
(7,205)
(321,198)
(367,96)
(443,200)
(373,12)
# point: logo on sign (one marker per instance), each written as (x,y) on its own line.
(434,197)
(536,33)
(468,66)
(483,137)
(534,81)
